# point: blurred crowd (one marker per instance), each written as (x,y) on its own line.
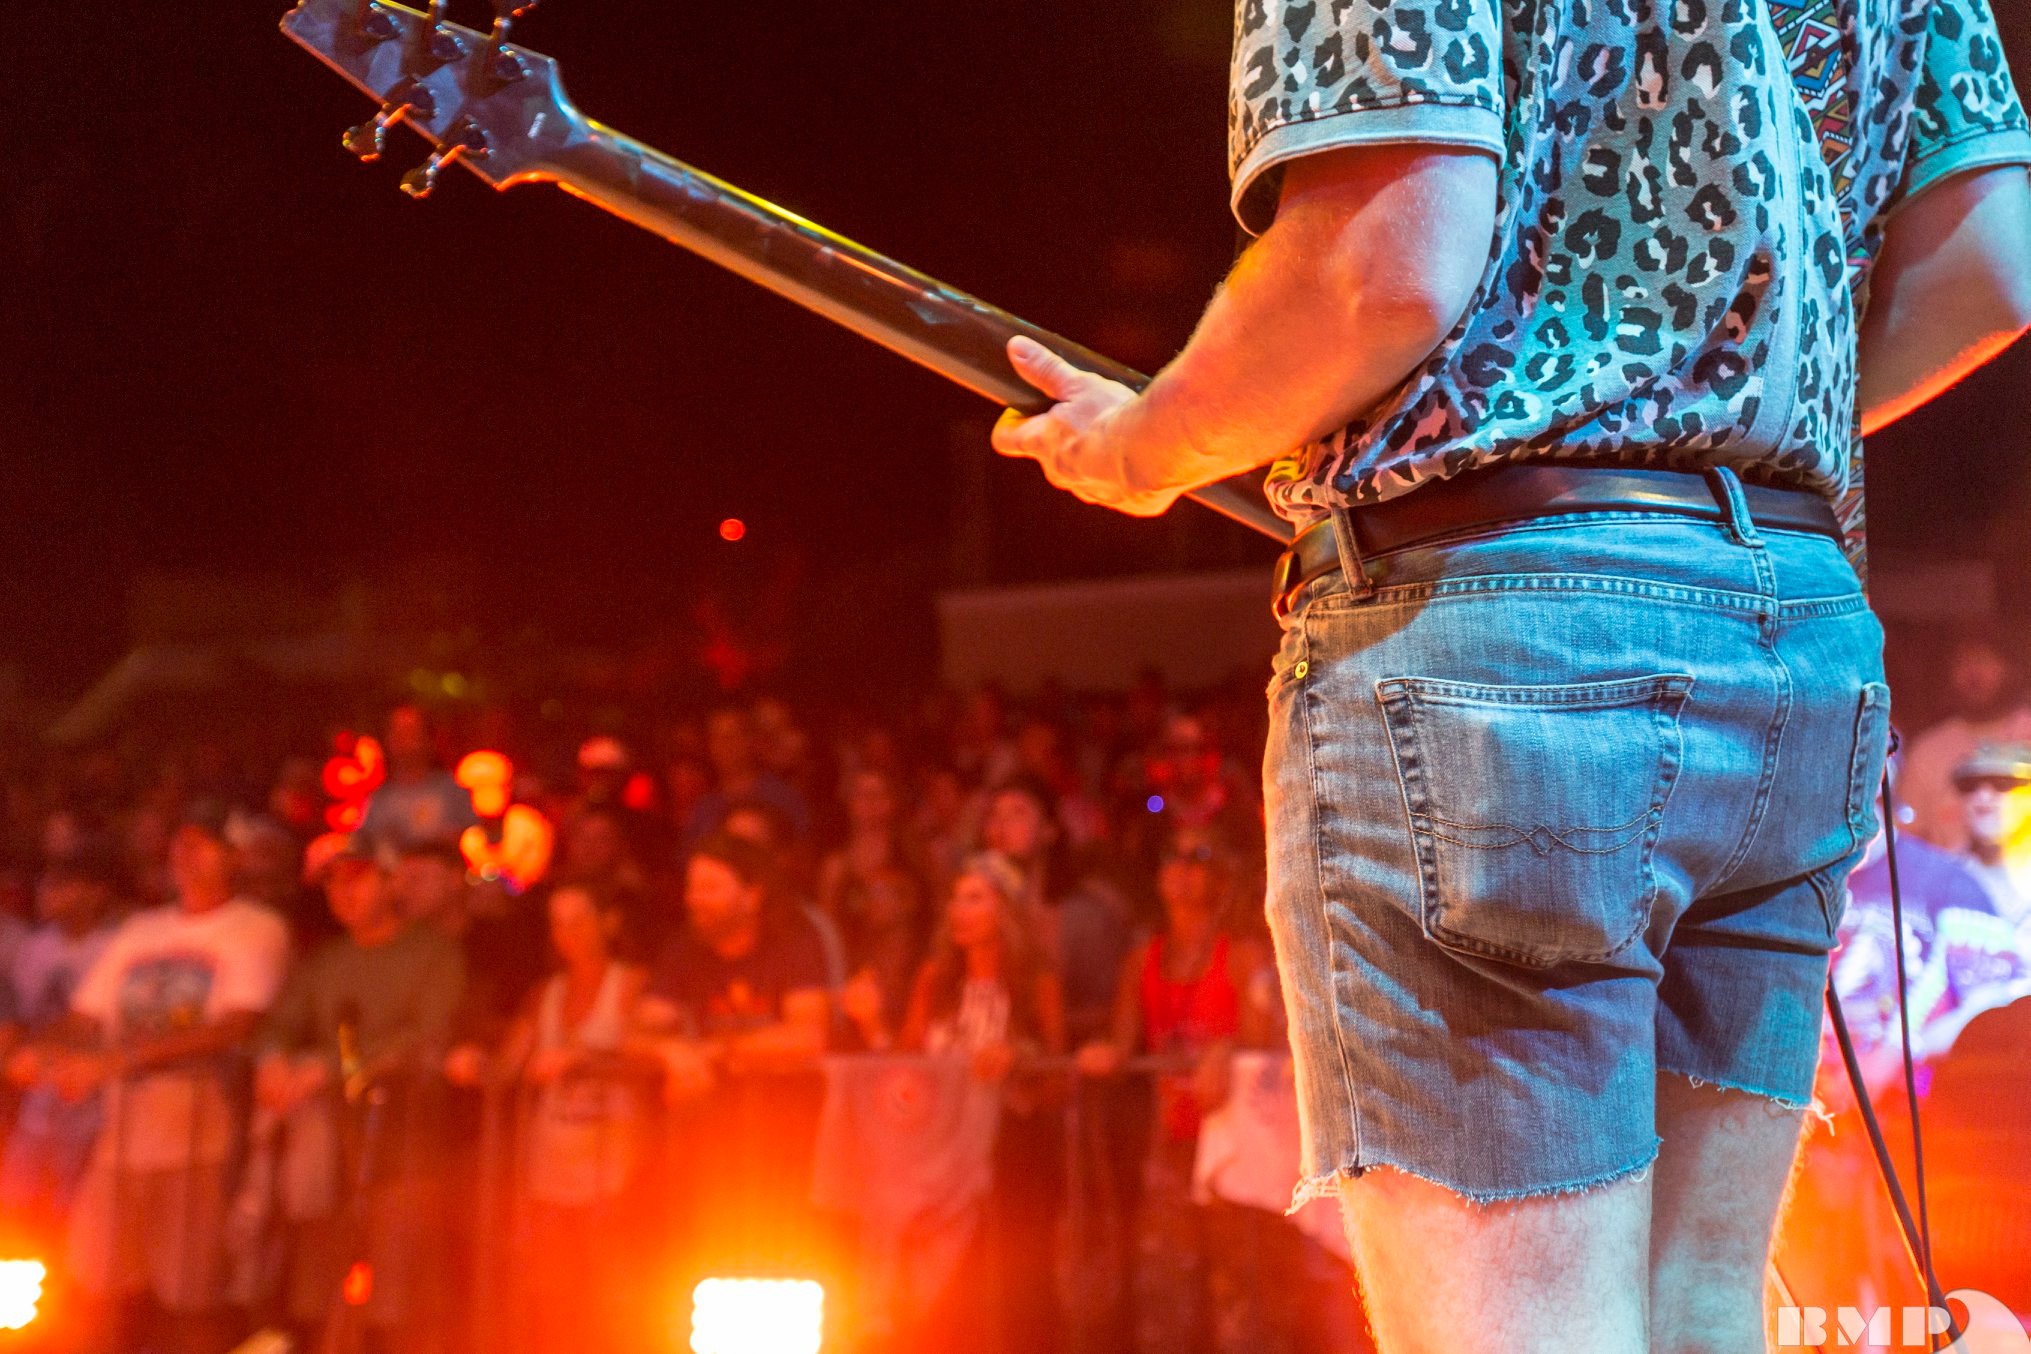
(367,1074)
(279,1062)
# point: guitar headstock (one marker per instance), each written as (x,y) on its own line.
(480,101)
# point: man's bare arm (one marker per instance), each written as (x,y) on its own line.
(1951,290)
(794,1042)
(1374,255)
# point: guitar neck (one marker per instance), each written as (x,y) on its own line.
(956,335)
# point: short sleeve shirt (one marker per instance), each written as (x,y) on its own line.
(731,996)
(1691,193)
(166,969)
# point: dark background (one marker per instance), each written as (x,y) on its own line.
(227,350)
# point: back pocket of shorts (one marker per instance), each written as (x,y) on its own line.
(1865,771)
(1535,810)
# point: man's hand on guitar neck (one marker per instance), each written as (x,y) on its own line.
(1078,442)
(1375,253)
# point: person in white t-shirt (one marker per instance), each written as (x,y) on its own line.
(155,1022)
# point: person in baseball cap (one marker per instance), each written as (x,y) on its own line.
(1995,798)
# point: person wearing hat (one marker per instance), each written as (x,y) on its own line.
(156,1021)
(369,1008)
(1995,798)
(1961,956)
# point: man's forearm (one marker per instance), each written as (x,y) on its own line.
(1334,306)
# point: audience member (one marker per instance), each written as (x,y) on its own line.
(883,925)
(870,889)
(420,801)
(736,1006)
(943,824)
(586,1128)
(271,874)
(52,1135)
(357,1034)
(598,852)
(1188,997)
(1960,957)
(1995,792)
(1987,708)
(762,827)
(429,886)
(156,1020)
(1083,924)
(739,775)
(609,783)
(876,839)
(988,992)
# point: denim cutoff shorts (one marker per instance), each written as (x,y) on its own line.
(1555,809)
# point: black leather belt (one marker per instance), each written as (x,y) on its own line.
(1516,493)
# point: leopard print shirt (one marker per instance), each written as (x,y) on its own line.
(1691,195)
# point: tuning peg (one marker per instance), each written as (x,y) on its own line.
(503,64)
(370,138)
(445,45)
(505,14)
(376,23)
(464,139)
(408,100)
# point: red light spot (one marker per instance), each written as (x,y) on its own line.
(732,529)
(639,793)
(358,1288)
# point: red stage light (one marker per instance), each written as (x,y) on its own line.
(732,529)
(358,1288)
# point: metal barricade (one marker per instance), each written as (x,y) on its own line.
(564,1184)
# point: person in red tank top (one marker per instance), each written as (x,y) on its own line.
(1186,998)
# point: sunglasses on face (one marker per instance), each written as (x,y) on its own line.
(2002,785)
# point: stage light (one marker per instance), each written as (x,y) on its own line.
(20,1291)
(732,529)
(1155,804)
(757,1316)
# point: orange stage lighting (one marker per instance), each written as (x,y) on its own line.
(520,854)
(757,1316)
(487,777)
(355,773)
(732,529)
(21,1291)
(358,1287)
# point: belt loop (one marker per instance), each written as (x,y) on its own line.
(1727,487)
(1351,563)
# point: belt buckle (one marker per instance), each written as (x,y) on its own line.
(1281,587)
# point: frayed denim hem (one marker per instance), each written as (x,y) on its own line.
(1720,1084)
(1331,1184)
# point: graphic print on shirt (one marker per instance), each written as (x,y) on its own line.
(166,992)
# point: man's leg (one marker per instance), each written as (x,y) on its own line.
(1719,1181)
(1554,1273)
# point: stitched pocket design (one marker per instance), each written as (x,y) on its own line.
(1865,771)
(1535,810)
